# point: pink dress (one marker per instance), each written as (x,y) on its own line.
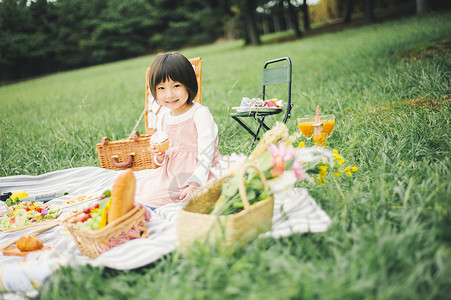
(164,185)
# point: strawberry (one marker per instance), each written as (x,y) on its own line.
(270,103)
(85,218)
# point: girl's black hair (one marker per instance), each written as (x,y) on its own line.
(176,67)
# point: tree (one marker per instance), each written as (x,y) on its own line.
(367,8)
(306,15)
(251,35)
(422,7)
(293,15)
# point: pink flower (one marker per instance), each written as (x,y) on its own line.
(279,166)
(280,154)
(282,151)
(298,170)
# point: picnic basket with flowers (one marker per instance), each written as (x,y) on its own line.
(232,210)
(235,223)
(113,221)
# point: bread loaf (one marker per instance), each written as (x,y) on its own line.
(122,195)
(29,242)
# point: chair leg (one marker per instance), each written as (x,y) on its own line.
(260,124)
(255,135)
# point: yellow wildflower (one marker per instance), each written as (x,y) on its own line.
(349,174)
(354,169)
(339,159)
(322,170)
(335,151)
(347,169)
(301,145)
(320,180)
(337,174)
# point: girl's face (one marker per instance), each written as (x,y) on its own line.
(173,95)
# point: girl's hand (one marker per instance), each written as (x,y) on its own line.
(188,190)
(157,154)
(147,212)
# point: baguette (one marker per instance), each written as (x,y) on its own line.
(122,195)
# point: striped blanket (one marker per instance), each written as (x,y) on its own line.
(296,212)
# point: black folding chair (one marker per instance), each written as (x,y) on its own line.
(278,74)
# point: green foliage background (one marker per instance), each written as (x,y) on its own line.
(40,37)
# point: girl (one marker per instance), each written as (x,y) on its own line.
(192,132)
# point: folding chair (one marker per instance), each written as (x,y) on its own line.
(152,108)
(277,74)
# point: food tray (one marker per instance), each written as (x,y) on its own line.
(256,109)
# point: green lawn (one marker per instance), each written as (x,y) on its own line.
(391,233)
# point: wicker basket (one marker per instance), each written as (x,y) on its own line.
(131,153)
(92,243)
(194,225)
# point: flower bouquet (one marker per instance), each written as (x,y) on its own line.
(283,166)
(239,206)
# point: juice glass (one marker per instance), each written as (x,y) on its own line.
(319,135)
(328,123)
(305,126)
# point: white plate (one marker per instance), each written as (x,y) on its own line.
(256,109)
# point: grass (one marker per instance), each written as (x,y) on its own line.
(390,236)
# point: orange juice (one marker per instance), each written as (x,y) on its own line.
(319,136)
(329,127)
(306,129)
(320,139)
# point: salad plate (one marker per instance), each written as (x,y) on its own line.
(28,214)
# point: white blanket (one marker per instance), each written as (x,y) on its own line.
(294,214)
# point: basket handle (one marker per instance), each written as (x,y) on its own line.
(242,188)
(136,136)
(105,141)
(124,164)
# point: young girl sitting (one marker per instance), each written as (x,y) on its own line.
(192,132)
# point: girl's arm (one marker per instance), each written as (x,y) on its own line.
(207,132)
(158,156)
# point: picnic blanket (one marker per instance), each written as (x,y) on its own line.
(295,212)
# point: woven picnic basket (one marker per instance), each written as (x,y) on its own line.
(131,153)
(92,243)
(195,225)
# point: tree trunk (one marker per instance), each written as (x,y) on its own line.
(368,6)
(276,24)
(306,15)
(349,11)
(421,7)
(293,14)
(251,33)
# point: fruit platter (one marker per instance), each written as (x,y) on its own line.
(259,105)
(91,216)
(26,214)
(78,199)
